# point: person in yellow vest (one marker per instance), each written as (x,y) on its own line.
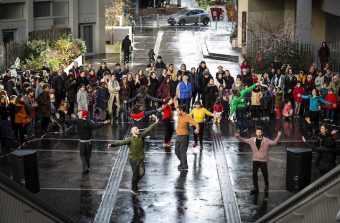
(199,113)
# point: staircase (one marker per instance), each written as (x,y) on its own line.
(319,202)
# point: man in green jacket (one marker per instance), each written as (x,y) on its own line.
(239,105)
(136,156)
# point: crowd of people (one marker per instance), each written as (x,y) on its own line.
(34,103)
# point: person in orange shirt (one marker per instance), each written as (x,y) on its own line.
(182,131)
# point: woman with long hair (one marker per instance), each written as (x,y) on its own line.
(314,101)
(21,119)
(5,124)
(326,149)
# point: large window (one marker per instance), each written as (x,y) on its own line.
(42,9)
(60,9)
(11,11)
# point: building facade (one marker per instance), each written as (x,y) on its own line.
(85,18)
(309,20)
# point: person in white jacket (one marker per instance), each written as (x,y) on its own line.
(82,99)
(114,89)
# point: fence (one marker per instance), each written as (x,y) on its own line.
(9,52)
(51,34)
(300,55)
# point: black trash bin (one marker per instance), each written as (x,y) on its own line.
(25,169)
(299,168)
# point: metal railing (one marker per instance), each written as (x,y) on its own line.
(297,53)
(19,205)
(319,202)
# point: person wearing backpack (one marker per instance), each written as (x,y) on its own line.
(21,119)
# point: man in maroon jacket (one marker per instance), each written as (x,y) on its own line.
(259,146)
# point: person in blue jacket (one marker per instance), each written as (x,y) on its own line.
(185,92)
(314,101)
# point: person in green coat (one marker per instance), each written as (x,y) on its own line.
(239,106)
(136,156)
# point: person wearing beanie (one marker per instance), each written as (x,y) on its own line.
(85,127)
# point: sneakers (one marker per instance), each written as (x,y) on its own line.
(195,144)
(134,192)
(254,191)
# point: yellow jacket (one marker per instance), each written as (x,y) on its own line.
(199,114)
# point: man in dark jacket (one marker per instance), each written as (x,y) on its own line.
(136,156)
(290,83)
(126,44)
(85,127)
(44,107)
(57,84)
(11,87)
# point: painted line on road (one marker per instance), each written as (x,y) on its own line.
(110,195)
(158,43)
(231,209)
(65,188)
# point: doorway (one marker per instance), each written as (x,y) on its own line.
(86,34)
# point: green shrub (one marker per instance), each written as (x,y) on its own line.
(62,50)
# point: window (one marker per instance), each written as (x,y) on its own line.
(11,11)
(60,21)
(60,9)
(42,9)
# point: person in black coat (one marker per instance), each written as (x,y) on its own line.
(203,85)
(102,69)
(58,85)
(195,85)
(290,83)
(323,54)
(82,79)
(71,92)
(326,149)
(211,93)
(102,97)
(126,45)
(44,107)
(11,87)
(85,127)
(142,99)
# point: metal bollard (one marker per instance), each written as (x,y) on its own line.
(157,21)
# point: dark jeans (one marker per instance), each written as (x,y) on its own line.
(44,123)
(193,97)
(181,147)
(330,114)
(186,102)
(85,149)
(200,134)
(314,117)
(255,111)
(169,129)
(241,119)
(138,170)
(21,131)
(264,170)
(126,56)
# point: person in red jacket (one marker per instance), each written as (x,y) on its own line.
(330,109)
(169,129)
(298,90)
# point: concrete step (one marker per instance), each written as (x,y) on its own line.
(232,58)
